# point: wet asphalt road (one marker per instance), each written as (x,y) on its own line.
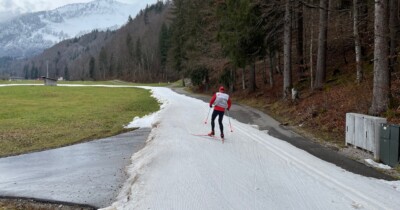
(90,173)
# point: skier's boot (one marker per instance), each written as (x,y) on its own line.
(211,133)
(222,137)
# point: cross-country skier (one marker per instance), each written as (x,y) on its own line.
(222,101)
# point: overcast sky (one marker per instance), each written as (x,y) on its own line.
(10,8)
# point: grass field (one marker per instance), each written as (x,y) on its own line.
(111,82)
(34,118)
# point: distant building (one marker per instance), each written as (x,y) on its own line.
(49,81)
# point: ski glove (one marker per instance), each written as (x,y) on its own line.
(210,106)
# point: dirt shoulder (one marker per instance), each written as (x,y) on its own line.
(32,204)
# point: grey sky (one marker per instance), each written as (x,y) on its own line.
(10,8)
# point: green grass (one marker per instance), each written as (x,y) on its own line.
(34,118)
(21,82)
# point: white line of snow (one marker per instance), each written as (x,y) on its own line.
(6,85)
(377,165)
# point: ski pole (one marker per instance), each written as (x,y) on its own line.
(205,121)
(230,125)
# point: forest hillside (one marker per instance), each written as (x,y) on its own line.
(130,53)
(307,63)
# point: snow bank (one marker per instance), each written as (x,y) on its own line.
(148,120)
(377,165)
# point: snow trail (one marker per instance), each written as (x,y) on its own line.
(251,170)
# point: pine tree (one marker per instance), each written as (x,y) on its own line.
(103,62)
(111,67)
(26,71)
(241,35)
(31,73)
(66,73)
(129,44)
(178,37)
(138,52)
(274,14)
(146,15)
(230,26)
(92,63)
(164,45)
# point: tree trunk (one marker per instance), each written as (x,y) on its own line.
(311,60)
(271,69)
(278,63)
(320,74)
(233,77)
(300,31)
(363,26)
(287,51)
(381,87)
(394,28)
(243,79)
(311,64)
(357,42)
(253,85)
(265,71)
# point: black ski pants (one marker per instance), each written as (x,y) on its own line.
(220,115)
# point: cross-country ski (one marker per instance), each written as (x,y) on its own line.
(210,136)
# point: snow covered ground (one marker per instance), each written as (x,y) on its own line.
(251,170)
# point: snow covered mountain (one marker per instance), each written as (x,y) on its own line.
(31,33)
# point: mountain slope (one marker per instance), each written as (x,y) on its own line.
(30,34)
(130,53)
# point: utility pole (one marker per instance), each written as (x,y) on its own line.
(47,67)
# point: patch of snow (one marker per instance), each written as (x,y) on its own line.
(148,120)
(142,122)
(255,126)
(377,165)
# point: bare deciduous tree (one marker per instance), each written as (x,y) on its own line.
(320,74)
(287,50)
(357,41)
(394,31)
(300,34)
